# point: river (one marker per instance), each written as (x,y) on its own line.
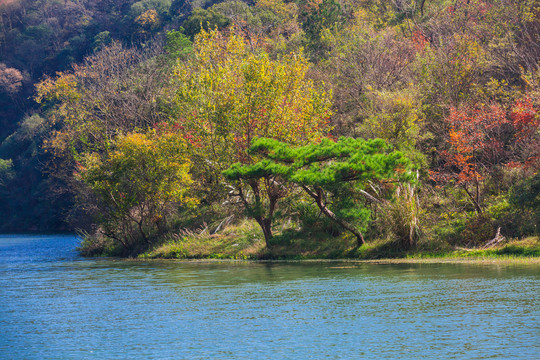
(56,305)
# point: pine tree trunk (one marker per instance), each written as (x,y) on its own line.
(330,214)
(266,226)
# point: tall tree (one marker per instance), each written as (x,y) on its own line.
(229,94)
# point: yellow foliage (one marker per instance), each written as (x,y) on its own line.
(149,20)
(63,88)
(229,95)
(394,117)
(141,170)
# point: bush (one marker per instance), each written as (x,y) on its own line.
(98,245)
(312,221)
(478,230)
(526,194)
(524,201)
(401,217)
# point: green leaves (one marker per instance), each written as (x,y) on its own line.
(324,164)
(204,19)
(328,172)
(178,45)
(6,171)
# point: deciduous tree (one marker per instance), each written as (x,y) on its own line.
(136,182)
(478,139)
(229,94)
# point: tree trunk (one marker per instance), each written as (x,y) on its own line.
(422,2)
(266,226)
(477,207)
(265,222)
(330,214)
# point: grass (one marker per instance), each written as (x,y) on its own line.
(244,241)
(528,247)
(239,241)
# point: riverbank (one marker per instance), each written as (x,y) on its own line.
(352,263)
(242,243)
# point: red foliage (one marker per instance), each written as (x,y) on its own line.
(481,138)
(478,141)
(419,40)
(525,118)
(178,129)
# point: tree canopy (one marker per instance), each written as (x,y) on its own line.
(136,183)
(329,172)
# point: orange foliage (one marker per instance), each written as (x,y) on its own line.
(481,138)
(477,139)
(419,40)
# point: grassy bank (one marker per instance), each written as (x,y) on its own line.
(244,241)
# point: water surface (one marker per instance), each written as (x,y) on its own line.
(56,305)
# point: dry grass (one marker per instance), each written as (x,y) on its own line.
(524,250)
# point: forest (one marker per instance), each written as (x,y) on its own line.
(271,128)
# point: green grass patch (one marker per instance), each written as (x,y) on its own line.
(528,247)
(239,241)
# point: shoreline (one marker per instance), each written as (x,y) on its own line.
(236,248)
(382,261)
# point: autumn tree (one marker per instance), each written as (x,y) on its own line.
(478,139)
(114,91)
(148,21)
(10,79)
(145,18)
(370,72)
(507,31)
(450,75)
(136,182)
(269,22)
(525,118)
(229,95)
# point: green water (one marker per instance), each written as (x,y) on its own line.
(55,305)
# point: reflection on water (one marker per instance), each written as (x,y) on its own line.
(56,305)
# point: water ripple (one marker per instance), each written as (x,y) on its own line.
(58,306)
